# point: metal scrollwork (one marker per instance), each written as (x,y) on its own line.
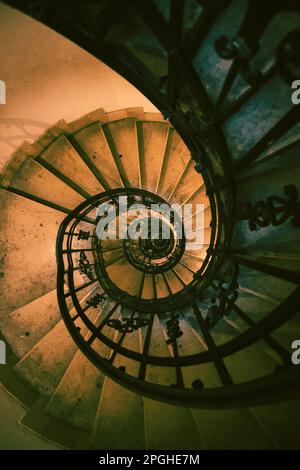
(221,305)
(96,300)
(127,325)
(173,328)
(275,210)
(226,295)
(85,267)
(245,45)
(83,235)
(239,50)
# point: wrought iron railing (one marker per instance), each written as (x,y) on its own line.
(146,344)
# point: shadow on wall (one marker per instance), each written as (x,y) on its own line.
(51,79)
(24,129)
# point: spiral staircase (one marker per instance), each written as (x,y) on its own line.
(143,343)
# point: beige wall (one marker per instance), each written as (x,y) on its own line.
(49,78)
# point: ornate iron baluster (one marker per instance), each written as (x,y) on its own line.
(83,235)
(85,266)
(275,210)
(127,325)
(96,300)
(173,328)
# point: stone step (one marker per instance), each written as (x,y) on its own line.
(76,397)
(45,364)
(166,426)
(93,142)
(235,429)
(50,429)
(189,187)
(175,161)
(153,138)
(29,269)
(32,178)
(26,326)
(122,139)
(278,421)
(125,276)
(117,426)
(65,161)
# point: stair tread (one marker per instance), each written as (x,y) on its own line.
(63,157)
(251,362)
(125,276)
(94,143)
(192,343)
(231,429)
(170,427)
(49,135)
(134,112)
(176,284)
(117,426)
(33,178)
(153,138)
(98,115)
(76,397)
(166,426)
(176,158)
(49,428)
(124,146)
(279,421)
(185,274)
(44,365)
(189,183)
(161,287)
(19,235)
(24,327)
